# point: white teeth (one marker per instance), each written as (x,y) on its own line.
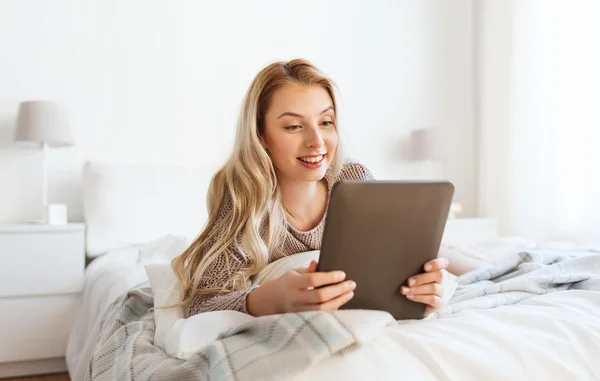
(314,159)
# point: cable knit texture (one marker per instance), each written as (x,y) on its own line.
(295,242)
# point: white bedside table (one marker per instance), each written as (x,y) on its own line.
(41,278)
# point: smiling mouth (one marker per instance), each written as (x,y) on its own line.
(312,159)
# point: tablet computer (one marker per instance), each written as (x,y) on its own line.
(380,233)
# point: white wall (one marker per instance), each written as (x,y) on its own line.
(150,81)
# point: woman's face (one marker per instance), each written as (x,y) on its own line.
(300,132)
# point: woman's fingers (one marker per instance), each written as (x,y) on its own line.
(424,278)
(426,289)
(331,305)
(437,264)
(325,294)
(314,280)
(312,295)
(433,301)
(312,267)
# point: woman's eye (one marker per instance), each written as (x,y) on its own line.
(292,128)
(327,123)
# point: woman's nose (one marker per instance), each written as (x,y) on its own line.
(314,138)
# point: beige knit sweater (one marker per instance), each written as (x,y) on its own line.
(295,242)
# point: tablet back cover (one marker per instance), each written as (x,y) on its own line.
(382,232)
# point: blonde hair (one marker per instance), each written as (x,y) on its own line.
(249,182)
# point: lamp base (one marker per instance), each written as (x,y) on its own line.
(54,214)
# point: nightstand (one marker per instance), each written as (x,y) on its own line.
(41,280)
(466,231)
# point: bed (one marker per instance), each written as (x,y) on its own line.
(532,315)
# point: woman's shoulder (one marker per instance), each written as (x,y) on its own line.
(353,170)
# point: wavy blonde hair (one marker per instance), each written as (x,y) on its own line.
(249,181)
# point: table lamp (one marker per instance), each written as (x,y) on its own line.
(44,123)
(424,144)
(421,145)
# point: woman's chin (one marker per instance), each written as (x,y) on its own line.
(304,173)
(313,174)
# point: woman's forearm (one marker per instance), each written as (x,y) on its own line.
(461,263)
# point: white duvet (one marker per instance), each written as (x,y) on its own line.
(549,337)
(552,337)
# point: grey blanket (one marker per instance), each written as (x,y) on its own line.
(279,346)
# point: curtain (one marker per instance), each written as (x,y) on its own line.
(553,134)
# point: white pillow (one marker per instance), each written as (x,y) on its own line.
(158,255)
(129,204)
(167,291)
(279,267)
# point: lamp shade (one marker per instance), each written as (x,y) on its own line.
(43,122)
(421,145)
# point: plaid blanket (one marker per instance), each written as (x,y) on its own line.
(279,346)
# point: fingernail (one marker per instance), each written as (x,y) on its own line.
(410,296)
(341,275)
(403,289)
(352,284)
(411,282)
(427,267)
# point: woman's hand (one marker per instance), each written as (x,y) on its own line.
(427,287)
(297,290)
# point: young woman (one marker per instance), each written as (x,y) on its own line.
(270,201)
